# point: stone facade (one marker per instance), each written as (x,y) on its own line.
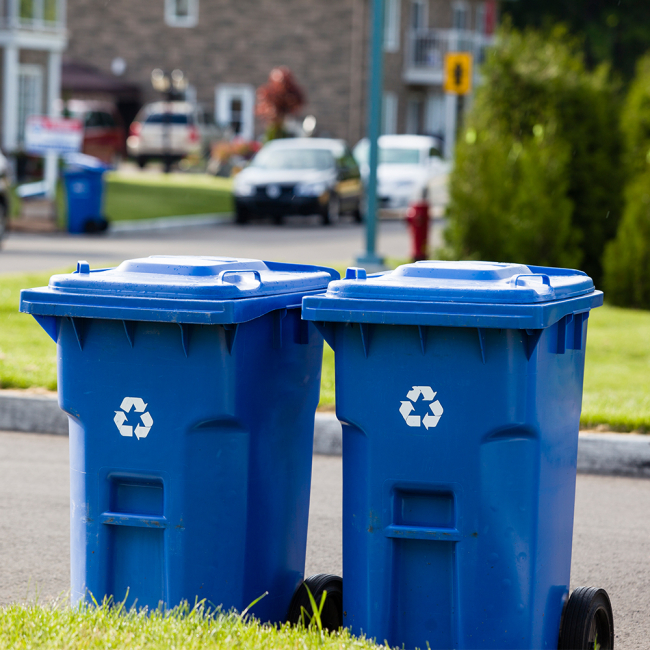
(325,44)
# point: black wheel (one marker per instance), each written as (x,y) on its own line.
(241,216)
(4,221)
(587,621)
(332,211)
(278,219)
(360,213)
(142,162)
(332,614)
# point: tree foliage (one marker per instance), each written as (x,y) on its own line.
(278,98)
(627,259)
(537,176)
(614,31)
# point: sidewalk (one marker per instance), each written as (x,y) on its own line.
(613,454)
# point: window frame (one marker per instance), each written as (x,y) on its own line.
(392,20)
(224,94)
(174,20)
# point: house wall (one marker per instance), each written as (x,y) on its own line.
(233,42)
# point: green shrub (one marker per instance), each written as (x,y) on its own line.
(627,258)
(635,119)
(538,176)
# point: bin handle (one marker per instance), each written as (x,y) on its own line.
(545,279)
(235,271)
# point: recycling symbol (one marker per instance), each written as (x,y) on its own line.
(146,421)
(430,420)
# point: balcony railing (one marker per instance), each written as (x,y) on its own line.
(46,16)
(426,49)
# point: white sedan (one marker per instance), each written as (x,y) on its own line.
(408,165)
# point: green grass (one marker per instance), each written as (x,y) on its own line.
(148,196)
(617,372)
(100,628)
(27,353)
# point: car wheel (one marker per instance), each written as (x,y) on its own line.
(4,220)
(332,211)
(241,216)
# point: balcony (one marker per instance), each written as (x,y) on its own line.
(426,48)
(33,24)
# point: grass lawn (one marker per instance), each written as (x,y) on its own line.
(617,373)
(151,195)
(92,628)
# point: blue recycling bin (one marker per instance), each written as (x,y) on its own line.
(84,190)
(459,388)
(191,385)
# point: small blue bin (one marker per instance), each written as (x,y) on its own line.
(459,387)
(191,385)
(84,188)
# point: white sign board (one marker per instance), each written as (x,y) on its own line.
(53,134)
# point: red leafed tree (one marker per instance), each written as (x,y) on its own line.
(279,97)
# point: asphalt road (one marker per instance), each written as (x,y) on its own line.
(611,539)
(299,240)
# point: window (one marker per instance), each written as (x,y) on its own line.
(460,16)
(434,121)
(38,11)
(30,95)
(418,14)
(479,21)
(181,13)
(391,25)
(413,115)
(389,113)
(235,104)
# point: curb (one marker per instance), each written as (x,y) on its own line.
(169,223)
(611,454)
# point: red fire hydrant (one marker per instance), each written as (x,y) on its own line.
(417,217)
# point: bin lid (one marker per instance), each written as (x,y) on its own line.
(483,294)
(180,289)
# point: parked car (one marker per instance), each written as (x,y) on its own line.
(300,176)
(104,135)
(171,130)
(407,164)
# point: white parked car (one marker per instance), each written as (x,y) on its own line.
(408,164)
(170,130)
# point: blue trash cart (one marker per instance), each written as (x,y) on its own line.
(191,385)
(459,387)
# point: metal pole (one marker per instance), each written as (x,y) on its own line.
(371,259)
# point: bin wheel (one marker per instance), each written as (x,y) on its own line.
(332,614)
(587,621)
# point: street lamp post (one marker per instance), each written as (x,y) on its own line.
(172,87)
(371,259)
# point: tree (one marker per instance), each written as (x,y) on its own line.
(278,98)
(627,258)
(537,176)
(618,32)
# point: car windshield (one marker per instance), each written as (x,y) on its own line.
(168,118)
(389,155)
(275,158)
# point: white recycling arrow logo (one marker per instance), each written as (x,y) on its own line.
(430,420)
(126,430)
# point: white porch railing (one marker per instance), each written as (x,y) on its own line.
(426,49)
(44,16)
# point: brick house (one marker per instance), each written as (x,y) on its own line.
(227,49)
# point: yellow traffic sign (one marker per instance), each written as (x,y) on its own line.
(458,73)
